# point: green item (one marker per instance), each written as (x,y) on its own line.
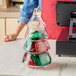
(45,59)
(28,45)
(35,58)
(41,59)
(38,60)
(36,35)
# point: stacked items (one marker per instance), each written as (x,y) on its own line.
(37,46)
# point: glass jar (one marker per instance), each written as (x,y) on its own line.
(36,46)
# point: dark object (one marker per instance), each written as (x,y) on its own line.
(64,11)
(66,16)
(66,48)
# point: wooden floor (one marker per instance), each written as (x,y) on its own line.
(11,54)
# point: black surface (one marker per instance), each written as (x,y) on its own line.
(64,11)
(66,47)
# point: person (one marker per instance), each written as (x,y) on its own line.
(25,15)
(48,14)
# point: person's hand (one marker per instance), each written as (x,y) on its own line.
(10,37)
(13,36)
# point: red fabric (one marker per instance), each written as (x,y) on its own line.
(49,17)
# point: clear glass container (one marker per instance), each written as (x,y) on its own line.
(36,46)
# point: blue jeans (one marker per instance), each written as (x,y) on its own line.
(27,10)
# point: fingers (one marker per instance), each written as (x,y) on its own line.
(9,38)
(6,39)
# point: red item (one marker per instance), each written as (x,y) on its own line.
(32,47)
(41,46)
(31,62)
(49,17)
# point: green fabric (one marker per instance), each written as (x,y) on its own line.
(45,59)
(35,59)
(41,59)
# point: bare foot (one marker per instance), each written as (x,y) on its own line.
(10,37)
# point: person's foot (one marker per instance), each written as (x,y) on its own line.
(10,37)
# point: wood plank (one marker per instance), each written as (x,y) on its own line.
(2,30)
(11,12)
(11,24)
